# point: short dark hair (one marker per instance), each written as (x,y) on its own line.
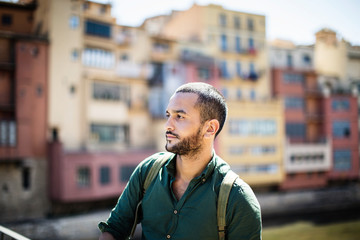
(210,101)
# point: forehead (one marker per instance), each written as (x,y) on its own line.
(183,101)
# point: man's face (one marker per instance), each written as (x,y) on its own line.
(184,131)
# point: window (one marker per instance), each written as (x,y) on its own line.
(341,129)
(110,133)
(8,133)
(252,94)
(253,75)
(161,47)
(74,22)
(257,169)
(250,23)
(251,44)
(308,158)
(238,93)
(74,55)
(237,22)
(238,69)
(86,6)
(306,59)
(293,78)
(111,92)
(224,70)
(203,73)
(237,150)
(257,127)
(6,19)
(289,61)
(225,93)
(342,160)
(102,10)
(100,58)
(237,44)
(83,177)
(125,173)
(124,57)
(26,178)
(294,103)
(106,91)
(262,150)
(222,20)
(340,104)
(224,46)
(104,175)
(97,29)
(295,130)
(39,90)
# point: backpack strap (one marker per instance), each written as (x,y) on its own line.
(154,170)
(223,197)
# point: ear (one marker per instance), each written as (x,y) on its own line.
(211,128)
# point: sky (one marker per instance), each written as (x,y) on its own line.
(294,20)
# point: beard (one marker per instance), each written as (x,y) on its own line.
(187,146)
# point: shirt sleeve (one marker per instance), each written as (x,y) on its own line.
(243,214)
(122,216)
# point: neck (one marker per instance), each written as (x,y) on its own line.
(191,166)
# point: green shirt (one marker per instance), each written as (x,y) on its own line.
(194,215)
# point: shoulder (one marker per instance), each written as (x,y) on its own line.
(243,198)
(241,194)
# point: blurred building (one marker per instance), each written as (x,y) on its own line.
(23,119)
(320,115)
(252,141)
(307,156)
(83,100)
(97,110)
(338,66)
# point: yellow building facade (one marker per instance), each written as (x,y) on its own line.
(97,84)
(253,139)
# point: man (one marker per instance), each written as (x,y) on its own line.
(180,203)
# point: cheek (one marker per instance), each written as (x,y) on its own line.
(186,128)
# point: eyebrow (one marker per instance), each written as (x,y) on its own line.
(177,111)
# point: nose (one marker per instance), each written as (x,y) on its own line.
(169,126)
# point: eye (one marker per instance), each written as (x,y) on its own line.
(180,116)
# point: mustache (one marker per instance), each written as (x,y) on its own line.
(170,132)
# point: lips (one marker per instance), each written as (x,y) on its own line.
(170,135)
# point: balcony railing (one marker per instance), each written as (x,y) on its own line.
(6,233)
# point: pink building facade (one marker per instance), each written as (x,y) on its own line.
(341,123)
(81,177)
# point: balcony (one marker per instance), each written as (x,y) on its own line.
(308,157)
(197,58)
(132,70)
(243,51)
(161,52)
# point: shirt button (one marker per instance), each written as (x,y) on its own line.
(168,236)
(203,180)
(175,211)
